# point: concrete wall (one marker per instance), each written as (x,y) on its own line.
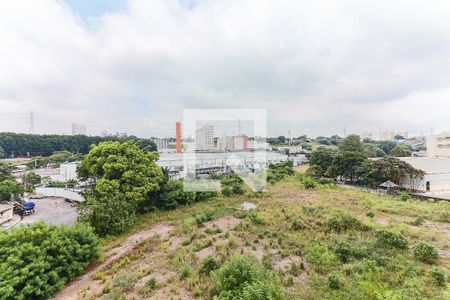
(6,214)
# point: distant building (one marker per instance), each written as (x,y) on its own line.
(204,138)
(366,135)
(437,174)
(239,142)
(78,129)
(389,135)
(68,171)
(438,145)
(161,144)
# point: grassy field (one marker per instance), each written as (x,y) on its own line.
(322,243)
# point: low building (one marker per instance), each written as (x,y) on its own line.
(437,174)
(161,144)
(438,145)
(6,213)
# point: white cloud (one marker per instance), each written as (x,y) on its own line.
(315,66)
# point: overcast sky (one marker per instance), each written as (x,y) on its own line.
(316,66)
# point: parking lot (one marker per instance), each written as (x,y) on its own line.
(53,211)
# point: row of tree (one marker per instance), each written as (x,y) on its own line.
(350,163)
(19,144)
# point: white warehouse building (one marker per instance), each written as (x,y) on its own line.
(437,174)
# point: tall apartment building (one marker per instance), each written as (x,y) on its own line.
(204,138)
(78,129)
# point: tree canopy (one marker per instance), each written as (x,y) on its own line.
(122,175)
(20,144)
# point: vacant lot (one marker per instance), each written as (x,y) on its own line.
(322,243)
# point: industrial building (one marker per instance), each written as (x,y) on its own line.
(438,145)
(161,144)
(437,174)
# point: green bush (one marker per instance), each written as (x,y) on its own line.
(124,281)
(204,217)
(297,225)
(370,214)
(350,249)
(232,185)
(37,260)
(185,272)
(326,181)
(404,196)
(244,277)
(391,239)
(320,257)
(209,264)
(418,221)
(438,275)
(343,222)
(333,282)
(278,171)
(309,183)
(425,252)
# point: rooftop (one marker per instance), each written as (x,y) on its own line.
(430,165)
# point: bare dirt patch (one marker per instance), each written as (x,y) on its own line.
(75,289)
(224,223)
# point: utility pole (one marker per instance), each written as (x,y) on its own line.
(289,147)
(31,124)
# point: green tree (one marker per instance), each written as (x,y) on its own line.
(2,152)
(387,146)
(372,150)
(123,176)
(395,170)
(321,161)
(351,166)
(9,189)
(401,151)
(351,143)
(32,179)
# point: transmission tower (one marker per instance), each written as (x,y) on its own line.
(31,123)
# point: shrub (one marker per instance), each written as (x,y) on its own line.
(334,282)
(297,225)
(232,185)
(344,222)
(425,252)
(320,257)
(326,181)
(439,275)
(204,217)
(209,264)
(244,277)
(418,221)
(277,172)
(255,218)
(185,271)
(309,183)
(370,214)
(404,196)
(37,260)
(124,281)
(391,239)
(349,249)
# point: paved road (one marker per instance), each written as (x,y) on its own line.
(53,211)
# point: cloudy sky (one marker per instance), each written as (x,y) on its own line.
(134,65)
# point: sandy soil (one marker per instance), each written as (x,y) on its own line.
(85,284)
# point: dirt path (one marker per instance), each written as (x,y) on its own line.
(72,290)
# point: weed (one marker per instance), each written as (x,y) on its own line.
(425,252)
